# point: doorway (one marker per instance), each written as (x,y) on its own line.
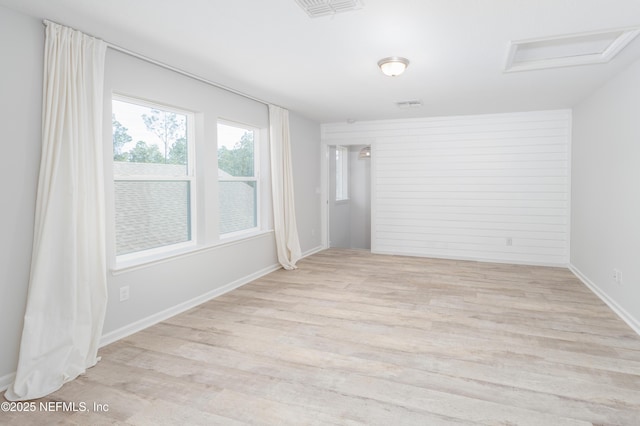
(349,196)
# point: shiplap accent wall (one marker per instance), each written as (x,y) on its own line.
(487,187)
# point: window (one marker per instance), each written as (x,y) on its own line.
(154,186)
(237,178)
(342,173)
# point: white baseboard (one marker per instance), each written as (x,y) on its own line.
(5,381)
(185,306)
(631,321)
(182,307)
(312,251)
(474,259)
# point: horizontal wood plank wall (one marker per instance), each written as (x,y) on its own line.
(488,187)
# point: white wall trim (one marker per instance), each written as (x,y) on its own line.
(632,322)
(182,307)
(190,251)
(569,188)
(312,251)
(6,380)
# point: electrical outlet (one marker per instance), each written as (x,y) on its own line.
(509,241)
(617,276)
(124,293)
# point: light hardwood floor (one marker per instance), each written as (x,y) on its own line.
(354,338)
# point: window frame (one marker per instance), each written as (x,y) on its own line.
(255,178)
(157,253)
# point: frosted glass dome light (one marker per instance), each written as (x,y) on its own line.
(393,66)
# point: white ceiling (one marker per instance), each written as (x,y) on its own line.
(325,68)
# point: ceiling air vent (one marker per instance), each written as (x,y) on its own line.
(316,8)
(415,103)
(568,50)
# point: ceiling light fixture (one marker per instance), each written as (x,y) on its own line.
(393,66)
(364,153)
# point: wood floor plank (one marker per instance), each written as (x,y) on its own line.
(352,338)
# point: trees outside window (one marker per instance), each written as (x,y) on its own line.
(154,180)
(153,177)
(237,178)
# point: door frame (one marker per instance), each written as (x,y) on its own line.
(325,177)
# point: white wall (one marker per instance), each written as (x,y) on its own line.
(156,290)
(305,153)
(160,287)
(21,47)
(605,199)
(460,187)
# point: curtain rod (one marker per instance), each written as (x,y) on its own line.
(121,49)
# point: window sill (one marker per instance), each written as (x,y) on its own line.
(155,259)
(343,201)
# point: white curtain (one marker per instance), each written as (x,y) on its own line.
(67,290)
(284,215)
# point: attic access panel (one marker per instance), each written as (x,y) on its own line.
(568,50)
(316,8)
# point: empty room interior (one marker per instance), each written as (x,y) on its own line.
(346,212)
